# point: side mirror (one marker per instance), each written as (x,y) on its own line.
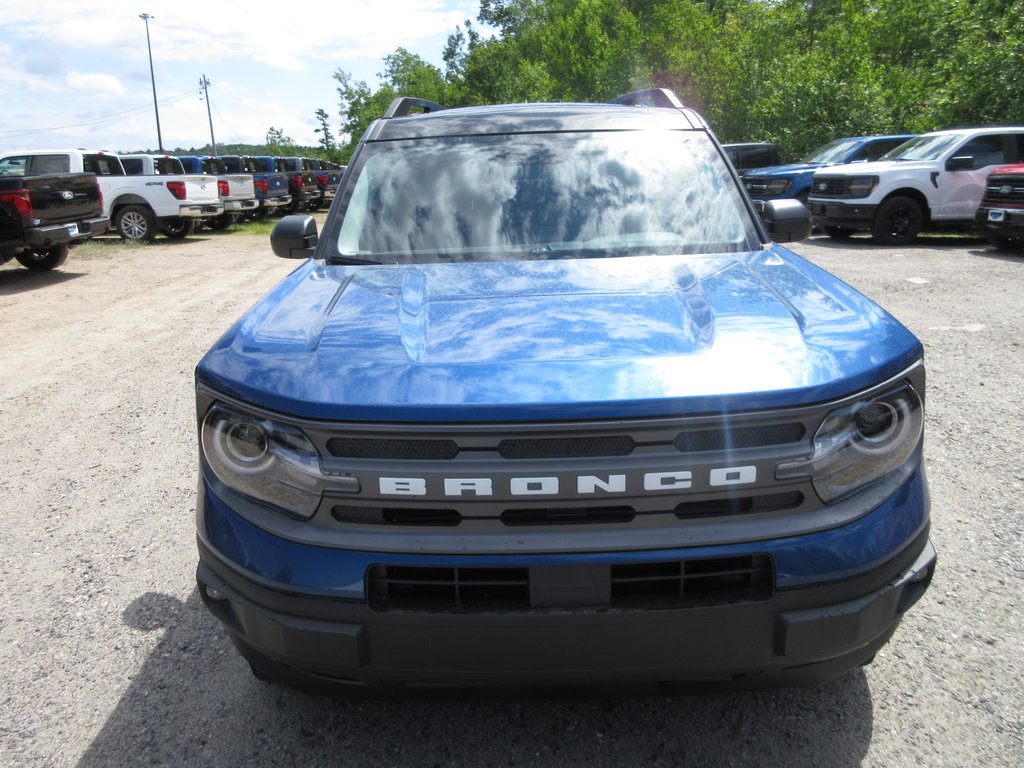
(964,163)
(787,220)
(294,237)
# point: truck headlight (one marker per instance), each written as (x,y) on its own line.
(859,443)
(268,461)
(861,186)
(777,186)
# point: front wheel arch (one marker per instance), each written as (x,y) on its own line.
(899,219)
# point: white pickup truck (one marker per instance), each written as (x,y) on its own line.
(237,190)
(934,180)
(138,206)
(171,168)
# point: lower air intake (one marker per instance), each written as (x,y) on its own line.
(655,586)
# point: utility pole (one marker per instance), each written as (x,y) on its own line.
(206,84)
(159,140)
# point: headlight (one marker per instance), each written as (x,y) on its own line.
(777,186)
(271,462)
(861,186)
(860,443)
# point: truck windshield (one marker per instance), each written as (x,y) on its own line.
(924,147)
(833,152)
(541,196)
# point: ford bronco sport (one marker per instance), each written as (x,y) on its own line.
(545,404)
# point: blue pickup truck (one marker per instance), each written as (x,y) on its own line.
(794,180)
(547,403)
(269,185)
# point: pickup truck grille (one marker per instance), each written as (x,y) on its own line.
(626,586)
(829,186)
(1004,191)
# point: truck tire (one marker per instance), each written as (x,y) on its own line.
(222,222)
(1006,243)
(46,259)
(839,233)
(177,227)
(135,222)
(897,221)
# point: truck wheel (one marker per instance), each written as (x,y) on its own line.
(135,222)
(897,221)
(178,227)
(44,260)
(839,233)
(1004,243)
(221,222)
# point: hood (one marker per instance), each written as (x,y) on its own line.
(879,167)
(784,170)
(566,339)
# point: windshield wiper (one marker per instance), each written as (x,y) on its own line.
(351,260)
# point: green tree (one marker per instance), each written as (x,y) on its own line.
(326,137)
(405,74)
(277,142)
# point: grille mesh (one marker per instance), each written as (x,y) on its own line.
(741,437)
(390,448)
(565,447)
(654,585)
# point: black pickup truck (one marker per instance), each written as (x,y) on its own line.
(41,216)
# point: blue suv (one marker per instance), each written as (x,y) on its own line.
(546,402)
(795,180)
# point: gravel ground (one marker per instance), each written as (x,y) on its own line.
(109,658)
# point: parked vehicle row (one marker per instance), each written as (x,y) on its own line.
(148,194)
(897,186)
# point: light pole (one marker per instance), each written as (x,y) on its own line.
(159,140)
(206,83)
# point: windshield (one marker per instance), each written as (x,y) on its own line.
(833,152)
(924,147)
(541,196)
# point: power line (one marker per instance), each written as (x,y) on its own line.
(96,121)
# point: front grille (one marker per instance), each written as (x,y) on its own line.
(572,516)
(1006,192)
(584,515)
(391,448)
(628,586)
(590,446)
(829,186)
(565,447)
(742,505)
(740,437)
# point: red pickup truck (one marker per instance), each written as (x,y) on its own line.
(1001,212)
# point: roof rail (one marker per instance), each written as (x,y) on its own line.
(400,107)
(651,97)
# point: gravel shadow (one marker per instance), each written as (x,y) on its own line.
(194,703)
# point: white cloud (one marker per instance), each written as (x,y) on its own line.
(71,68)
(95,82)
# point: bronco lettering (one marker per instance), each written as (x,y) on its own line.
(585,484)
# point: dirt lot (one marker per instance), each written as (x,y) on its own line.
(110,660)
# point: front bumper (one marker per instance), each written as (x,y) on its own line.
(1003,222)
(806,633)
(68,232)
(853,215)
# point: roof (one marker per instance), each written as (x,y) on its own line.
(533,118)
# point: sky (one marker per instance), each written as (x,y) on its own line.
(75,73)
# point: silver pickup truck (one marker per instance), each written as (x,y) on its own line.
(237,190)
